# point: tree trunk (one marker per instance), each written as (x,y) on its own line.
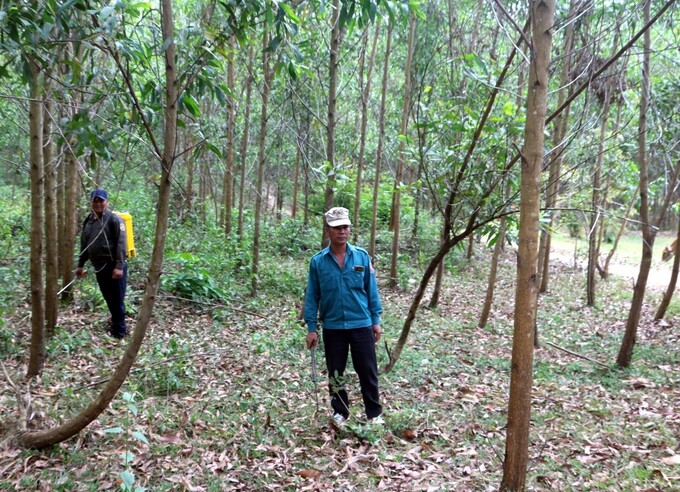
(70,230)
(498,247)
(381,140)
(244,143)
(448,212)
(521,378)
(470,248)
(445,247)
(336,39)
(648,234)
(622,228)
(261,161)
(668,295)
(418,192)
(597,213)
(51,231)
(439,278)
(296,177)
(37,352)
(401,157)
(365,91)
(228,184)
(43,438)
(559,133)
(189,199)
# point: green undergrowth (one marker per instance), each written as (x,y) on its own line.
(221,395)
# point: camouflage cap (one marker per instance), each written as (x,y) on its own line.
(337,216)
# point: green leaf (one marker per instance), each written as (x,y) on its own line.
(289,12)
(292,71)
(140,437)
(191,104)
(128,478)
(113,430)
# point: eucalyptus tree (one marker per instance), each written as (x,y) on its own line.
(401,155)
(607,91)
(364,82)
(647,226)
(47,437)
(228,182)
(245,140)
(473,200)
(175,103)
(542,14)
(267,77)
(37,357)
(336,34)
(50,165)
(559,131)
(670,289)
(27,31)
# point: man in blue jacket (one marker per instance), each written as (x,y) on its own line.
(342,293)
(104,242)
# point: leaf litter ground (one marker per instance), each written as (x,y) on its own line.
(225,401)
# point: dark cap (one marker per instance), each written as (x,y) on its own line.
(98,193)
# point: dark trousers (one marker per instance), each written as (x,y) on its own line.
(361,343)
(113,291)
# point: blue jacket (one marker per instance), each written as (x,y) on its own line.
(343,299)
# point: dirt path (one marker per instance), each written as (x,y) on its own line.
(621,265)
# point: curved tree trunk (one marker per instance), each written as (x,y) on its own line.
(668,295)
(43,438)
(648,234)
(448,211)
(422,286)
(521,378)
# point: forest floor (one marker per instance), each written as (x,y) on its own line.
(221,397)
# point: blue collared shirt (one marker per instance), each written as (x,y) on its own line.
(343,299)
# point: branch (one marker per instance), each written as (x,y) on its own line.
(579,355)
(609,62)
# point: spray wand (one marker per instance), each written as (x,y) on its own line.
(314,378)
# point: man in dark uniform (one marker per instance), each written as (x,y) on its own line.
(104,242)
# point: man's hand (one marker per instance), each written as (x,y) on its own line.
(80,273)
(117,274)
(312,340)
(377,332)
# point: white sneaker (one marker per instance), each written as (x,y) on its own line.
(376,420)
(339,419)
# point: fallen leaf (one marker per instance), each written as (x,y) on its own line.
(309,473)
(672,460)
(408,434)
